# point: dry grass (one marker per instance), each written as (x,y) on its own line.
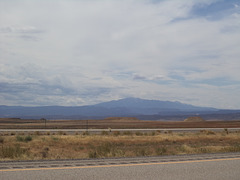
(115,144)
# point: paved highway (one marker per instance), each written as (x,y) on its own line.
(72,131)
(206,166)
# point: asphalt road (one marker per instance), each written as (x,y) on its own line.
(206,166)
(97,131)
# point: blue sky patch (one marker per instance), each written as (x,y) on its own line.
(217,10)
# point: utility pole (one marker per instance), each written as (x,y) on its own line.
(87,126)
(45,122)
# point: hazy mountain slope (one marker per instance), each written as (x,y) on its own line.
(122,107)
(136,103)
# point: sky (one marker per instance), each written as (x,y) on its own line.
(83,52)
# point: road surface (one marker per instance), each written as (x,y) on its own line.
(98,131)
(207,166)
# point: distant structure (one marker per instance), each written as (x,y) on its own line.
(194,119)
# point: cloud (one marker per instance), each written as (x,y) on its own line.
(92,51)
(152,78)
(22,30)
(28,33)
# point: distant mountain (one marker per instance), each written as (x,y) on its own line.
(152,106)
(141,108)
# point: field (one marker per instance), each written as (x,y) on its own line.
(113,123)
(35,146)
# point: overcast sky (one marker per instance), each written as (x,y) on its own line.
(82,52)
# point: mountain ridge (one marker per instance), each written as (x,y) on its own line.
(145,103)
(134,107)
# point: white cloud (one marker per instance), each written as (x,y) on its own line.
(82,52)
(26,29)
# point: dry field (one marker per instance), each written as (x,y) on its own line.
(115,123)
(114,144)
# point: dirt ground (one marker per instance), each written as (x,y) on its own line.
(117,123)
